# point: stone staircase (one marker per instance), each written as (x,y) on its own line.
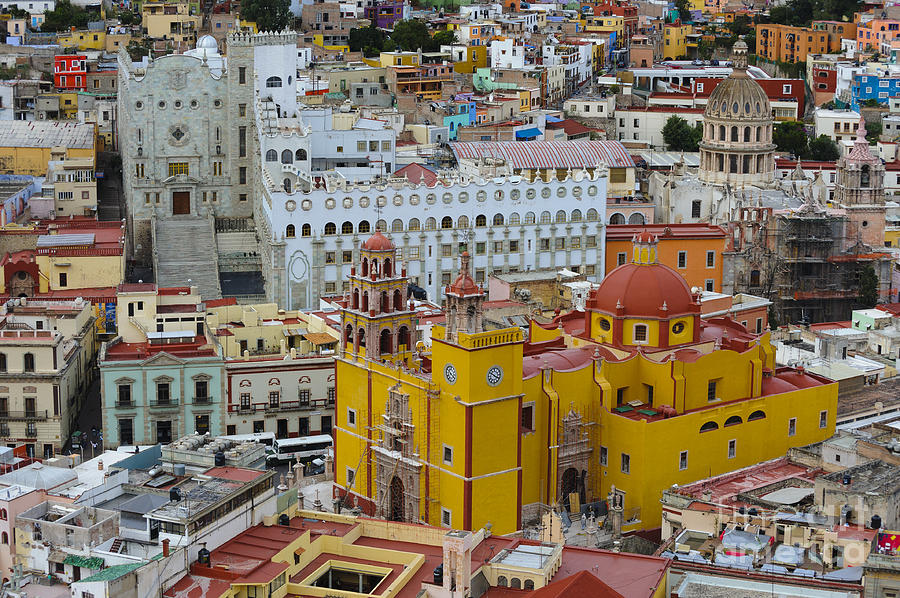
(185,249)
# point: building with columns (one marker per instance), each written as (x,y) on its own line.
(737,146)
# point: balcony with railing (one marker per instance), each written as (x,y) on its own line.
(281,406)
(204,400)
(164,404)
(28,414)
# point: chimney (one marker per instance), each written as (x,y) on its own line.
(165,544)
(100,465)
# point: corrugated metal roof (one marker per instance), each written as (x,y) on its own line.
(32,133)
(547,154)
(65,240)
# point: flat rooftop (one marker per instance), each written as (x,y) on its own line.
(40,133)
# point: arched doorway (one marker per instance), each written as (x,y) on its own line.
(568,485)
(396,500)
(385,342)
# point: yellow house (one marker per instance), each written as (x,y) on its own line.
(616,402)
(675,40)
(398,59)
(83,40)
(170,20)
(892,236)
(26,147)
(263,329)
(605,25)
(69,255)
(319,40)
(467,58)
(74,186)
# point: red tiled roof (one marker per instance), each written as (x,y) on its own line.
(416,173)
(579,585)
(570,126)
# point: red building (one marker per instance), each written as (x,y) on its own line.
(70,72)
(824,83)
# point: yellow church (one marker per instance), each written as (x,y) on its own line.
(630,396)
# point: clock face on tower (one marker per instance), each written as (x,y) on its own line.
(494,375)
(450,373)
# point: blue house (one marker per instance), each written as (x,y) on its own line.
(873,87)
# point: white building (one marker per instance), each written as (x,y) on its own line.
(839,125)
(507,224)
(590,106)
(507,54)
(480,12)
(646,123)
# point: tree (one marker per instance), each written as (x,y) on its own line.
(741,25)
(138,49)
(17,13)
(873,132)
(128,17)
(822,149)
(790,137)
(65,16)
(442,38)
(269,15)
(684,10)
(680,136)
(868,287)
(368,40)
(411,35)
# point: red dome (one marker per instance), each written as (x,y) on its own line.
(641,289)
(378,242)
(464,285)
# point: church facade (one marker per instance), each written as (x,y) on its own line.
(624,399)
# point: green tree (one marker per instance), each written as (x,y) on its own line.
(873,132)
(868,287)
(17,13)
(368,40)
(442,38)
(789,136)
(870,103)
(741,25)
(822,149)
(66,15)
(269,15)
(411,35)
(680,136)
(138,49)
(128,17)
(684,10)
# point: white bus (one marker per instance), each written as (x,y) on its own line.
(302,450)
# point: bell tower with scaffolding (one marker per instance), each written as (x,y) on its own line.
(377,319)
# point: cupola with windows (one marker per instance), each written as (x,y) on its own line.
(643,303)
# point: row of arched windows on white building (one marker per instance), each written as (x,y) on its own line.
(414,224)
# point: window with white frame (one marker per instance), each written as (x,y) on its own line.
(351,418)
(732,449)
(448,455)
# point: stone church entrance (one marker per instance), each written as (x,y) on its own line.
(181,202)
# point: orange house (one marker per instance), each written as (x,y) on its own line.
(694,250)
